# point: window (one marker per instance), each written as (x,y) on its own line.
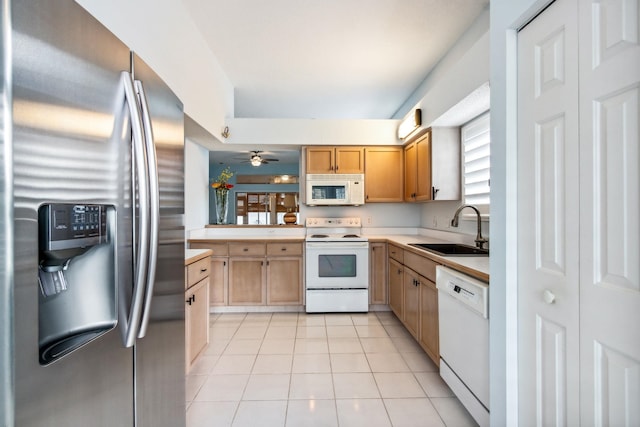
(476,138)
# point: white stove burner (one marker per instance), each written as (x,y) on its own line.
(334,230)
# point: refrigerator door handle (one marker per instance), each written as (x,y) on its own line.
(154,202)
(140,165)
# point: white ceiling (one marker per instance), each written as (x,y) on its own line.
(331,59)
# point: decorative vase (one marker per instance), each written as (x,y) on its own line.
(290,218)
(222,204)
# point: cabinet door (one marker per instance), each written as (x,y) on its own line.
(378,273)
(284,281)
(349,160)
(445,163)
(423,168)
(410,172)
(246,281)
(196,319)
(384,172)
(396,277)
(428,331)
(320,160)
(411,304)
(219,281)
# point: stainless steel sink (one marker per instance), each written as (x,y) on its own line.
(451,249)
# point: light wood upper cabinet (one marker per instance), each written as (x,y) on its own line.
(345,159)
(384,168)
(432,166)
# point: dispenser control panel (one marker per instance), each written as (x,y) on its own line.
(66,226)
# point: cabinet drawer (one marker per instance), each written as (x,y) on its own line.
(197,271)
(421,265)
(248,249)
(284,249)
(219,249)
(396,253)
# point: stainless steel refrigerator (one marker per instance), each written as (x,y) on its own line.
(91,227)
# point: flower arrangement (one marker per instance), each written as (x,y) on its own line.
(222,181)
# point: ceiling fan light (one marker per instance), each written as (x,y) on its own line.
(256,161)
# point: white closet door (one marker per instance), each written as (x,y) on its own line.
(548,214)
(610,212)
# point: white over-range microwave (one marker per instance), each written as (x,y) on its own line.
(335,189)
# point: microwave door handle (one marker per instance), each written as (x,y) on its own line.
(141,246)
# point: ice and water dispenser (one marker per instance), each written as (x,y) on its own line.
(77,276)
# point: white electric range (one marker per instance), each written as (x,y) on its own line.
(337,266)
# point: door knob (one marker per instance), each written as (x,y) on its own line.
(548,296)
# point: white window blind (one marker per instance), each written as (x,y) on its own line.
(476,139)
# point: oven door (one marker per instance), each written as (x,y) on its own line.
(337,265)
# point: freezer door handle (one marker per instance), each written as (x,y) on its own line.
(154,207)
(141,241)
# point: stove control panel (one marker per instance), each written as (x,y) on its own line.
(333,222)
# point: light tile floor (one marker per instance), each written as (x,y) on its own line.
(298,369)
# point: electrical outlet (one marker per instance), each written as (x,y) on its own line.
(369,220)
(435,221)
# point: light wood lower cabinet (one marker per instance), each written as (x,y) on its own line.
(378,273)
(411,303)
(255,273)
(413,297)
(196,320)
(396,285)
(219,281)
(246,281)
(284,281)
(428,335)
(196,308)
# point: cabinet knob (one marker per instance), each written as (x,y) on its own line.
(202,270)
(245,249)
(283,249)
(548,296)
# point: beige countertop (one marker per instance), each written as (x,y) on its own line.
(241,237)
(193,255)
(476,266)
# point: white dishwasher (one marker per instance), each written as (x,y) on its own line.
(463,314)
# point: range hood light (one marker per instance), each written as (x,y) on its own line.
(410,123)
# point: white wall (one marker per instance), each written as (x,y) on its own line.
(506,17)
(196,186)
(372,214)
(313,132)
(462,70)
(438,215)
(164,35)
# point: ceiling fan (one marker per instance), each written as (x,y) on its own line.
(256,159)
